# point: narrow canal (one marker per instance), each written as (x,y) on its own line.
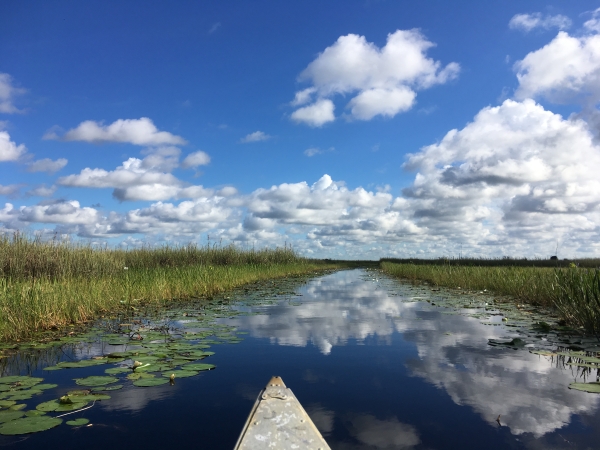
(377,364)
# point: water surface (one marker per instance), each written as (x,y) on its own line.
(373,362)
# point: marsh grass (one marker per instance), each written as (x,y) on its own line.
(573,291)
(48,285)
(530,284)
(577,297)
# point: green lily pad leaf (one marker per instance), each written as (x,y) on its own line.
(29,425)
(148,382)
(96,381)
(25,395)
(88,397)
(582,364)
(34,413)
(180,373)
(20,379)
(198,366)
(82,363)
(6,403)
(593,387)
(53,368)
(116,387)
(47,406)
(78,422)
(70,406)
(139,375)
(4,387)
(7,415)
(18,407)
(117,370)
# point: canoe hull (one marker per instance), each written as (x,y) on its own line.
(278,421)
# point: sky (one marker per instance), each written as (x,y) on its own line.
(346,129)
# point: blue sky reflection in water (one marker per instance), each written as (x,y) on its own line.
(372,369)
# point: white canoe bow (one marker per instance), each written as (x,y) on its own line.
(278,421)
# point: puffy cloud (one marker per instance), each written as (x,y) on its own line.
(46,165)
(9,150)
(385,80)
(61,212)
(516,171)
(565,70)
(7,93)
(10,190)
(140,179)
(133,131)
(594,23)
(527,22)
(317,114)
(257,136)
(195,159)
(42,191)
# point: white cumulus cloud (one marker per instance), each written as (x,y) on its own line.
(133,131)
(317,114)
(527,22)
(257,136)
(565,70)
(140,179)
(9,150)
(8,91)
(195,159)
(46,165)
(352,65)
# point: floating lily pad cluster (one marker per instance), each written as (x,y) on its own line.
(153,348)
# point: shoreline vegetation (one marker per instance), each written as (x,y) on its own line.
(572,288)
(52,285)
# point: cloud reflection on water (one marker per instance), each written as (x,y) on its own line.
(526,390)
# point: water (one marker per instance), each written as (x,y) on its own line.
(374,368)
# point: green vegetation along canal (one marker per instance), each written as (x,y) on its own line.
(377,363)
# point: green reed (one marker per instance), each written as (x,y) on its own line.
(577,297)
(48,285)
(573,291)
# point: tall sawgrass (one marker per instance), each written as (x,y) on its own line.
(573,291)
(45,285)
(577,297)
(498,262)
(530,284)
(22,257)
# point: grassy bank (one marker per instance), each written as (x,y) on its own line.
(46,285)
(574,292)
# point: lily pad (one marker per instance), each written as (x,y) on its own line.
(148,382)
(543,352)
(7,415)
(593,387)
(78,422)
(25,395)
(20,379)
(47,406)
(18,407)
(139,375)
(117,370)
(29,425)
(180,373)
(198,366)
(6,403)
(96,381)
(70,406)
(116,387)
(34,413)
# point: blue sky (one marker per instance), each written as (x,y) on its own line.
(327,125)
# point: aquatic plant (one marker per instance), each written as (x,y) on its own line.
(577,297)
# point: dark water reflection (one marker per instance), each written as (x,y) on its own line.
(373,369)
